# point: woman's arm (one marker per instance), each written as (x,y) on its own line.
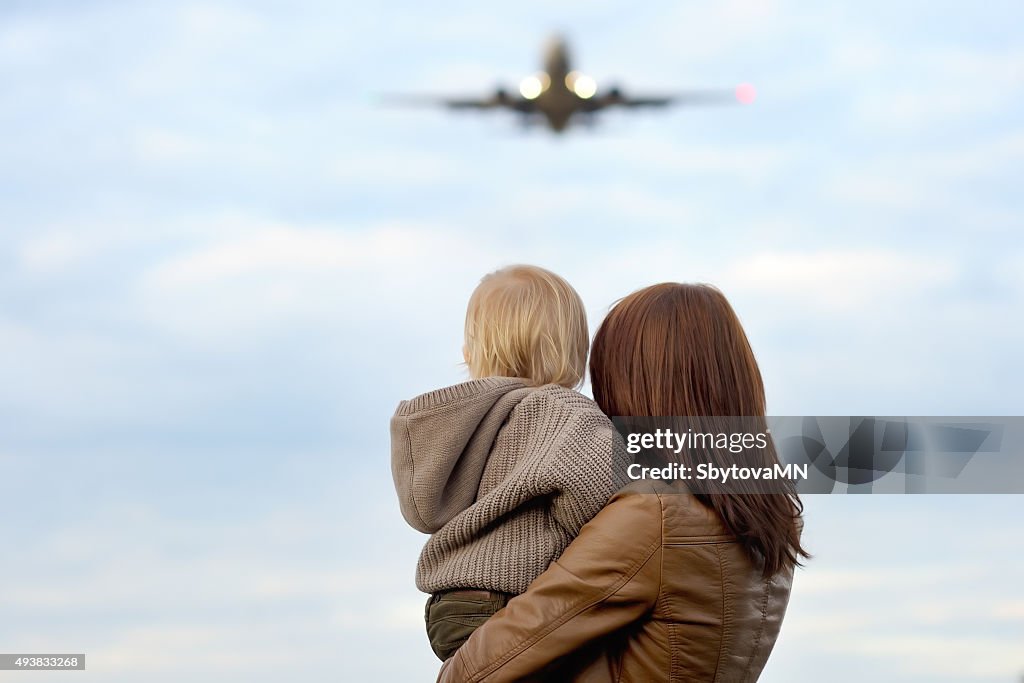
(607,578)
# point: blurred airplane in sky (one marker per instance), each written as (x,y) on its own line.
(559,95)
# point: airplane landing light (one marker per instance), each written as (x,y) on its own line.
(532,86)
(584,86)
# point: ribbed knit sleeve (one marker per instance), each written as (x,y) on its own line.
(587,468)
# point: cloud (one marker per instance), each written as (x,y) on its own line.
(936,85)
(726,28)
(747,163)
(934,181)
(137,584)
(280,272)
(25,42)
(164,146)
(1010,272)
(51,253)
(830,582)
(962,656)
(840,282)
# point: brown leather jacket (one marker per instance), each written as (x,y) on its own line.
(655,588)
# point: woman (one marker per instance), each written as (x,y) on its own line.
(664,584)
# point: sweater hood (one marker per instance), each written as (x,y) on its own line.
(446,436)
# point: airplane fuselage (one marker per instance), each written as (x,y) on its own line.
(557,101)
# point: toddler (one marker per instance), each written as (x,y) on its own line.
(503,471)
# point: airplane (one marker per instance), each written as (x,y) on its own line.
(560,95)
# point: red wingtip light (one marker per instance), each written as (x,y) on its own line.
(746,93)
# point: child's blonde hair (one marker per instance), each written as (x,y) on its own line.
(526,322)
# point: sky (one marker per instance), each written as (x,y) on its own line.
(223,262)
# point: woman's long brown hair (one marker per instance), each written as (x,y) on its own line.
(680,350)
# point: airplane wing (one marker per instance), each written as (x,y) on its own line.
(616,98)
(499,100)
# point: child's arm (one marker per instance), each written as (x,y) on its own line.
(588,467)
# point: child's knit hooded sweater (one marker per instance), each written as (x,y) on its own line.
(503,476)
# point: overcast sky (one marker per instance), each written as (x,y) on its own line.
(222,264)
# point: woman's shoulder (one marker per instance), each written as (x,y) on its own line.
(683,515)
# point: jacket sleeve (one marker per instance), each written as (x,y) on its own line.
(607,578)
